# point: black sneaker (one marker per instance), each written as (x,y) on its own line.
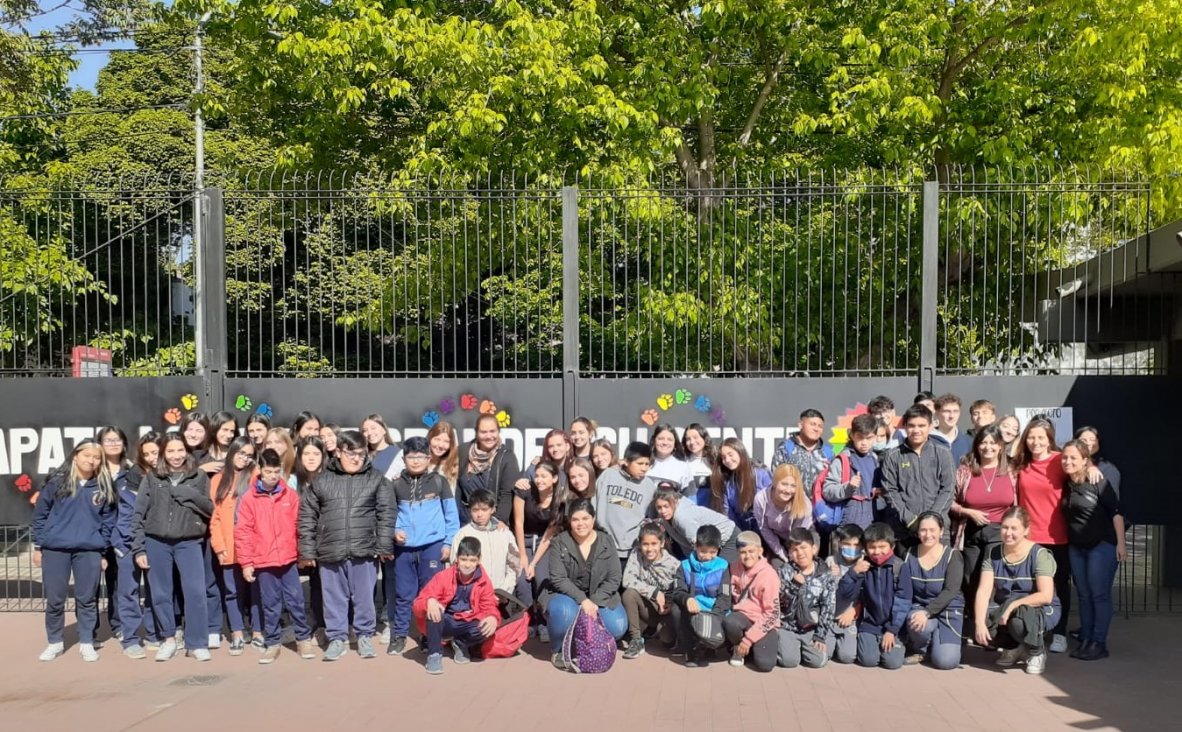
(693,659)
(635,648)
(397,645)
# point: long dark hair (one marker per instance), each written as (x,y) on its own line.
(200,419)
(215,424)
(232,479)
(162,468)
(560,493)
(302,419)
(146,438)
(678,450)
(303,477)
(111,429)
(1025,457)
(570,449)
(709,450)
(973,459)
(744,476)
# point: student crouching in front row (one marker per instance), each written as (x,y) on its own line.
(751,627)
(873,581)
(73,522)
(459,603)
(649,577)
(168,530)
(703,587)
(267,544)
(807,603)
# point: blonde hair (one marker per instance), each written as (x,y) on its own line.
(71,478)
(288,456)
(801,505)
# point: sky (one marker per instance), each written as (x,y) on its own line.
(92,60)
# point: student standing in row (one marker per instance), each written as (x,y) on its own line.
(131,610)
(487,463)
(114,443)
(169,527)
(226,489)
(806,449)
(917,477)
(73,520)
(623,498)
(669,460)
(735,483)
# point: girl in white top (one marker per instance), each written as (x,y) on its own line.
(669,460)
(700,454)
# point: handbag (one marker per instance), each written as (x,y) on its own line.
(707,626)
(588,647)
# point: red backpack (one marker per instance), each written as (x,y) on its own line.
(827,514)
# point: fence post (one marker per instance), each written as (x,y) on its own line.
(929,285)
(570,301)
(214,301)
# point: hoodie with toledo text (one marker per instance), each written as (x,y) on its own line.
(621,504)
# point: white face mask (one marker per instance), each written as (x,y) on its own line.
(464,574)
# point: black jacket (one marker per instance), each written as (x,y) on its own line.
(502,474)
(171,512)
(346,516)
(564,558)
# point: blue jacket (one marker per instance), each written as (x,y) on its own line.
(743,520)
(425,509)
(705,581)
(885,600)
(127,487)
(83,522)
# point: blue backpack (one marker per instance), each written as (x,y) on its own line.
(827,514)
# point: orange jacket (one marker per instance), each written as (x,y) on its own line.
(221,524)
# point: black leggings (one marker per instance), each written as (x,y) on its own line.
(978,541)
(1062,584)
(763,653)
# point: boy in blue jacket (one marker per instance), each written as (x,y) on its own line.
(703,587)
(425,522)
(874,581)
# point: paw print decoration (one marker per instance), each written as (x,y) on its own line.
(718,417)
(665,401)
(683,396)
(173,416)
(702,404)
(468,402)
(265,410)
(503,418)
(190,401)
(243,403)
(431,418)
(488,406)
(24,484)
(447,406)
(650,416)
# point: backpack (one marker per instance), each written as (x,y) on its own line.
(513,631)
(827,514)
(588,647)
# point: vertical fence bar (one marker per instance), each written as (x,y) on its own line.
(213,209)
(930,293)
(570,302)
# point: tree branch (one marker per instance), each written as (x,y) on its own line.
(770,77)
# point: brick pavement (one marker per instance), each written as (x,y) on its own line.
(1134,690)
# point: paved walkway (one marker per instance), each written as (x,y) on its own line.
(1137,689)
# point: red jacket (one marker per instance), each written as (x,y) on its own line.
(266,534)
(442,587)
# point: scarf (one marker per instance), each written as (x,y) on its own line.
(480,461)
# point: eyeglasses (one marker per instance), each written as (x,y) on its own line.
(353,454)
(417,456)
(112,441)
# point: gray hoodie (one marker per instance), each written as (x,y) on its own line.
(621,503)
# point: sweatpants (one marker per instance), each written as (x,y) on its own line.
(464,631)
(763,652)
(643,614)
(186,556)
(1062,585)
(131,612)
(413,569)
(843,643)
(213,593)
(243,600)
(870,653)
(937,640)
(797,648)
(280,586)
(351,579)
(314,610)
(56,567)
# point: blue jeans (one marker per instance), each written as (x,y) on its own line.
(187,557)
(413,569)
(563,610)
(1094,571)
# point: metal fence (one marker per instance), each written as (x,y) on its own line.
(859,273)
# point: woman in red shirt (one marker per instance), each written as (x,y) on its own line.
(986,487)
(1042,486)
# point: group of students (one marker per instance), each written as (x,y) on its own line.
(912,541)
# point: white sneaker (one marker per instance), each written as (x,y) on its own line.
(52,651)
(167,650)
(89,654)
(1010,657)
(384,638)
(1037,664)
(180,639)
(215,640)
(201,654)
(1058,644)
(544,633)
(736,659)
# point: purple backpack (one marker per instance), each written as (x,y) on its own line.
(587,647)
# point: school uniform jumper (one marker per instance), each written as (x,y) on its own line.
(72,533)
(938,592)
(1013,580)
